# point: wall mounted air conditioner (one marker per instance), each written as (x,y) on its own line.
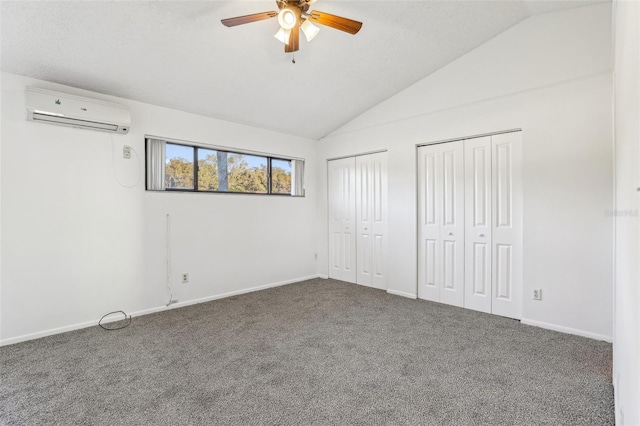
(50,107)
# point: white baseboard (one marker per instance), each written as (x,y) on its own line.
(86,324)
(45,333)
(402,293)
(567,330)
(323,276)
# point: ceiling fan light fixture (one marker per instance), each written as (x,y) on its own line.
(310,31)
(283,35)
(287,18)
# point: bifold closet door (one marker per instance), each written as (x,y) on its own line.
(470,223)
(441,223)
(371,218)
(342,219)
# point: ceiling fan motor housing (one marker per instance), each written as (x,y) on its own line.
(302,5)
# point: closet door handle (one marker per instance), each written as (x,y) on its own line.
(450,233)
(365,229)
(481,235)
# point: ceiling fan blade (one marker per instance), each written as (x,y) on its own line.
(247,19)
(339,23)
(294,40)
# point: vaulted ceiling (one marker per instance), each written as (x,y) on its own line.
(178,55)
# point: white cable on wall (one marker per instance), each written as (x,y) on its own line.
(168,244)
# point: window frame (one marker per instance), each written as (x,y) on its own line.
(196,147)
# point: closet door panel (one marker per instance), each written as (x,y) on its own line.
(478,224)
(379,221)
(429,214)
(507,224)
(452,226)
(364,199)
(342,219)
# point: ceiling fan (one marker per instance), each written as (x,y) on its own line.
(294,15)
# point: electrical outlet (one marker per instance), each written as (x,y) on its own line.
(185,278)
(126,152)
(537,294)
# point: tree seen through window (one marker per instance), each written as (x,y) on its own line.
(225,171)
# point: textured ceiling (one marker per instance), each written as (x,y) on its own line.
(177,54)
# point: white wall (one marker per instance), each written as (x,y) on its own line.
(626,346)
(551,76)
(81,236)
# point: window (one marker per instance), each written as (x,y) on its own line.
(208,179)
(179,167)
(280,176)
(247,173)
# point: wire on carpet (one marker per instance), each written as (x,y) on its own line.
(127,324)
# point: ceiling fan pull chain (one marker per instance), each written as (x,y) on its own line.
(294,58)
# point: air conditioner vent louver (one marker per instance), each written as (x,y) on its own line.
(67,110)
(37,116)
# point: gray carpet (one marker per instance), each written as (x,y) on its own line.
(317,352)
